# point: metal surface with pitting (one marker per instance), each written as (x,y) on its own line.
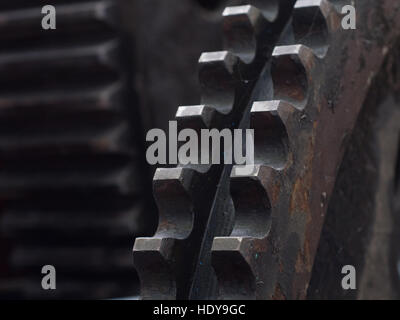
(319,87)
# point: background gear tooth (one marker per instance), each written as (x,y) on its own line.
(69,101)
(172,190)
(79,64)
(241,25)
(218,82)
(22,226)
(68,150)
(19,26)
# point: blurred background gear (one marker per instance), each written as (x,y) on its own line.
(73,177)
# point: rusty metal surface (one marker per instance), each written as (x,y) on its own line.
(361,227)
(320,86)
(320,75)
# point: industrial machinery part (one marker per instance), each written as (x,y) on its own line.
(72,169)
(300,81)
(362,221)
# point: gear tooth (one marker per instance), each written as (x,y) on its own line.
(56,147)
(71,18)
(69,101)
(20,225)
(243,250)
(291,70)
(31,257)
(250,32)
(218,81)
(241,25)
(272,122)
(195,117)
(233,265)
(77,61)
(172,192)
(155,257)
(152,261)
(313,21)
(108,138)
(252,205)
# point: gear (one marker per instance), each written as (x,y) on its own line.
(166,262)
(71,179)
(260,233)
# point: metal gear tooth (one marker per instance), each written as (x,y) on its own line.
(105,140)
(232,260)
(313,22)
(196,117)
(218,80)
(72,17)
(29,257)
(252,206)
(152,261)
(21,225)
(172,190)
(250,33)
(292,67)
(106,97)
(84,60)
(271,121)
(241,24)
(118,180)
(247,246)
(158,259)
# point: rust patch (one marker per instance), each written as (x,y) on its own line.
(300,198)
(274,193)
(278,293)
(303,261)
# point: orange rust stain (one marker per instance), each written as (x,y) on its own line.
(281,267)
(299,201)
(278,293)
(274,193)
(300,198)
(303,261)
